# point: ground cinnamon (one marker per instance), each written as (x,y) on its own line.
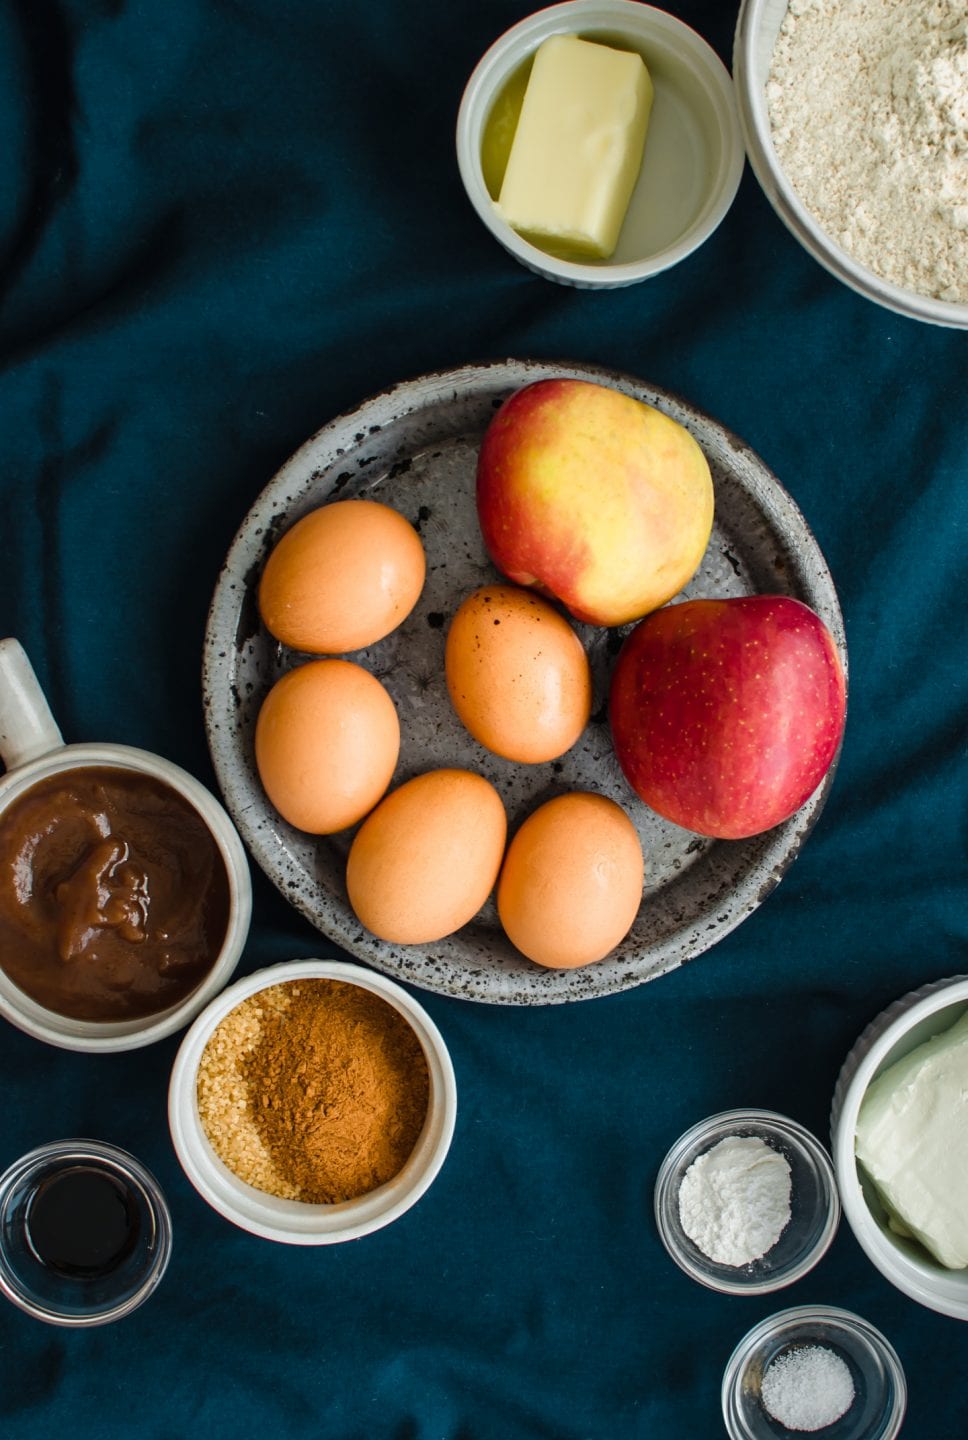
(334,1090)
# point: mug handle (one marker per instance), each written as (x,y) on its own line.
(27,727)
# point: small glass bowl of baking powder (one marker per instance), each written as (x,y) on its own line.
(746,1201)
(814,1369)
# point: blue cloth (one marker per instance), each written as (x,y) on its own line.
(223,222)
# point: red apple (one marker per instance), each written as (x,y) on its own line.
(727,714)
(593,497)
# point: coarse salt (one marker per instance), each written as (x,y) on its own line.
(807,1388)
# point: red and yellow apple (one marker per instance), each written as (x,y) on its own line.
(727,714)
(593,497)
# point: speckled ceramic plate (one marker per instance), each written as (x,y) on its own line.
(415,447)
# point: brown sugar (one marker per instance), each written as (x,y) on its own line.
(314,1090)
(224,1104)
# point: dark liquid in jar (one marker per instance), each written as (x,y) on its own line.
(82,1223)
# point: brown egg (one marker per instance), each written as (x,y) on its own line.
(426,860)
(342,577)
(326,744)
(571,882)
(517,674)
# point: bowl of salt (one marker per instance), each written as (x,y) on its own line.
(814,1369)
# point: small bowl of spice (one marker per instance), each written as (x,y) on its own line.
(854,119)
(814,1370)
(599,142)
(312,1102)
(746,1201)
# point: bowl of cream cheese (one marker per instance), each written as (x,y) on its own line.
(899,1137)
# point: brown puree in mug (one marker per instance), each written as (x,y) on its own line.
(114,897)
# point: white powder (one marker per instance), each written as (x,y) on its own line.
(734,1200)
(807,1388)
(868,103)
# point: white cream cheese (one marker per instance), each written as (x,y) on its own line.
(912,1139)
(577,149)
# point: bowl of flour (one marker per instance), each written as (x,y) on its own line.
(746,1201)
(855,119)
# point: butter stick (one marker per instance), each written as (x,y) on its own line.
(577,149)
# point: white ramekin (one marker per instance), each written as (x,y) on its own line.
(694,154)
(295,1222)
(894,1033)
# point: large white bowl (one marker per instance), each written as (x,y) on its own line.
(295,1222)
(757,27)
(894,1033)
(694,149)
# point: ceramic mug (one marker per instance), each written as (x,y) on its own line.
(32,749)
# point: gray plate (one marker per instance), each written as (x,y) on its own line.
(415,447)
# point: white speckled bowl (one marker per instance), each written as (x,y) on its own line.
(294,1222)
(693,157)
(415,447)
(757,27)
(904,1025)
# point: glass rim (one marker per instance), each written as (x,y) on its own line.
(785,1128)
(82,1149)
(837,1318)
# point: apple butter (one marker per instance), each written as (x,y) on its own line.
(114,897)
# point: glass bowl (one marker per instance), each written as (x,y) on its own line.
(814,1203)
(108,1282)
(880,1391)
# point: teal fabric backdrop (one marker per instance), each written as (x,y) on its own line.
(224,222)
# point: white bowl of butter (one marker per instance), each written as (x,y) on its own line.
(899,1138)
(640,209)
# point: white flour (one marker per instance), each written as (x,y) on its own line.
(734,1200)
(868,103)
